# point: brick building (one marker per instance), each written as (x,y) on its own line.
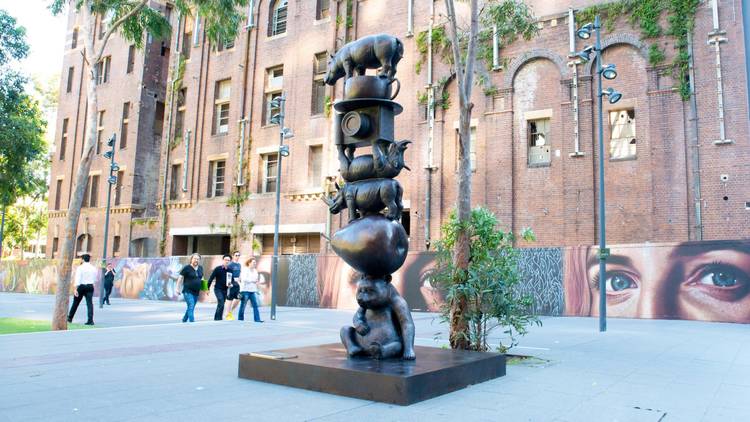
(131,106)
(675,169)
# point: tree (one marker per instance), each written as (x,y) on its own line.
(511,17)
(490,287)
(132,19)
(22,145)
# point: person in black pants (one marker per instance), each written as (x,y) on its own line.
(85,278)
(223,276)
(109,281)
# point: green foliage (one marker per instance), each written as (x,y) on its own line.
(25,220)
(22,144)
(646,15)
(655,55)
(489,286)
(441,46)
(328,106)
(513,18)
(236,199)
(220,19)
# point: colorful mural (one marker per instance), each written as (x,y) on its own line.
(707,281)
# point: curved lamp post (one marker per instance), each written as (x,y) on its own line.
(111,180)
(607,72)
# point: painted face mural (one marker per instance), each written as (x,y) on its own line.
(707,281)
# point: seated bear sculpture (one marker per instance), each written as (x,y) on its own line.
(382,326)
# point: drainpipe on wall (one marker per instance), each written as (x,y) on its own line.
(244,119)
(186,140)
(574,64)
(431,132)
(694,142)
(716,38)
(410,19)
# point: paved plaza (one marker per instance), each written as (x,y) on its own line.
(139,364)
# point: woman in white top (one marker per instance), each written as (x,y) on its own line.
(249,279)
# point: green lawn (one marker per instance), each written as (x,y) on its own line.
(17,325)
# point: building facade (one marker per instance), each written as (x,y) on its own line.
(131,107)
(674,167)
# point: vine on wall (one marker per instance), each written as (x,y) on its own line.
(646,15)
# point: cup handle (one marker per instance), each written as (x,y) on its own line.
(398,87)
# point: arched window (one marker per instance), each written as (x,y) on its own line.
(83,244)
(278,16)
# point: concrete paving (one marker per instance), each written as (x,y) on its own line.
(142,365)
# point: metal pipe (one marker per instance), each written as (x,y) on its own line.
(240,180)
(495,49)
(695,142)
(275,262)
(576,123)
(250,14)
(746,30)
(430,133)
(186,140)
(197,30)
(410,18)
(602,208)
(715,14)
(716,41)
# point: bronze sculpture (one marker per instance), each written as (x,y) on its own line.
(373,243)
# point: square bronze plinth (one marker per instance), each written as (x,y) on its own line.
(326,368)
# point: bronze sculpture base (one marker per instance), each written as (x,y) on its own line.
(326,368)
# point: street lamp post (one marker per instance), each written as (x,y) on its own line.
(608,72)
(111,180)
(278,118)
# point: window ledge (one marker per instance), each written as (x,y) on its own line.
(629,158)
(323,21)
(276,37)
(269,125)
(540,165)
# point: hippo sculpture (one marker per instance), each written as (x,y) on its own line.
(380,51)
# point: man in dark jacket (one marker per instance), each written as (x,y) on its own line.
(223,276)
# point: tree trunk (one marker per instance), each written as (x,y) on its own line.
(2,231)
(459,326)
(62,296)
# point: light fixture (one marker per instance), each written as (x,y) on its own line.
(585,54)
(115,167)
(108,155)
(613,95)
(112,180)
(276,102)
(276,118)
(609,72)
(284,150)
(287,133)
(585,32)
(111,141)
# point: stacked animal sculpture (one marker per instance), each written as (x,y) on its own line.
(372,243)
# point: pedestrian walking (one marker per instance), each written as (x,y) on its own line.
(223,277)
(109,281)
(249,279)
(85,277)
(234,289)
(189,281)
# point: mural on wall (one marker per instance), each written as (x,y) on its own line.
(540,271)
(337,282)
(707,281)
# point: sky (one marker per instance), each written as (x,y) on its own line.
(45,35)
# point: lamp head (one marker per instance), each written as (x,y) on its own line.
(276,119)
(609,71)
(276,102)
(585,54)
(111,141)
(584,32)
(112,180)
(115,168)
(613,95)
(284,150)
(108,155)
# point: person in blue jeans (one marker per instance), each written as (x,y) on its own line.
(189,281)
(249,279)
(223,277)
